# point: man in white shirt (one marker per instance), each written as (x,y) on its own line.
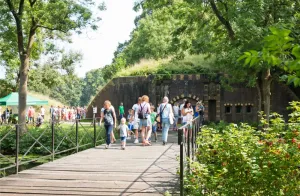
(136,122)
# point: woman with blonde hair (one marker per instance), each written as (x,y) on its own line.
(108,114)
(144,115)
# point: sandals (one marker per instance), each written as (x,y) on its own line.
(146,143)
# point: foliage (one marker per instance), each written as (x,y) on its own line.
(109,71)
(92,82)
(56,78)
(240,160)
(65,138)
(191,64)
(225,29)
(27,26)
(279,50)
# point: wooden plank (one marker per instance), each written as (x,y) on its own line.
(136,171)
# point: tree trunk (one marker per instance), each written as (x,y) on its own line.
(266,92)
(258,88)
(23,89)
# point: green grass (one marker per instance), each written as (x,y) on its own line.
(191,64)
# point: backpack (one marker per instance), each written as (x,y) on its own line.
(141,113)
(108,119)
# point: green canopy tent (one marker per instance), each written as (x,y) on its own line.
(13,100)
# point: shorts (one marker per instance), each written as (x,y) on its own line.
(136,125)
(130,126)
(144,123)
(190,126)
(154,128)
(123,139)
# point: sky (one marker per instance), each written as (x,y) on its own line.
(98,46)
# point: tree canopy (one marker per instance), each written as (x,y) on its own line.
(26,26)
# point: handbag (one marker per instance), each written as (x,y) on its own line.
(171,118)
(158,119)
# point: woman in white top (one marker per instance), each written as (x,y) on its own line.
(187,113)
(143,114)
(165,111)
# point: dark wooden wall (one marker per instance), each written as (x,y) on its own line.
(195,88)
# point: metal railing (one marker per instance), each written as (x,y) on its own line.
(17,142)
(187,141)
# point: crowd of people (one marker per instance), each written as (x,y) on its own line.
(66,113)
(144,121)
(57,114)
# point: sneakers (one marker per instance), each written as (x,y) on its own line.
(107,146)
(164,143)
(136,141)
(129,138)
(123,147)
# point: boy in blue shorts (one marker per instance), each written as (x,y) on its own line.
(123,132)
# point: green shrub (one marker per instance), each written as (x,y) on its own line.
(240,160)
(64,138)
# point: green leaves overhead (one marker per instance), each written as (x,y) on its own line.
(280,51)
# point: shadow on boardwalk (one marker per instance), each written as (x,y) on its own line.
(135,171)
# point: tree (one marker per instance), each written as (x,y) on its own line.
(93,81)
(225,29)
(32,21)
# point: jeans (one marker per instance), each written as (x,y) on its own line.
(176,121)
(165,123)
(108,129)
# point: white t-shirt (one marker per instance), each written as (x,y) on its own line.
(135,108)
(42,111)
(166,109)
(189,116)
(123,130)
(176,110)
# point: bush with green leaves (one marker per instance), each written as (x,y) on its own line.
(241,160)
(64,138)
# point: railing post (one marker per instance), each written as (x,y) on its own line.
(17,149)
(53,138)
(95,132)
(77,145)
(193,142)
(180,134)
(188,142)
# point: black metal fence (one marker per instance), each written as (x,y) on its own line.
(19,142)
(187,136)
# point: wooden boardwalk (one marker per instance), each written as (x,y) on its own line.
(135,171)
